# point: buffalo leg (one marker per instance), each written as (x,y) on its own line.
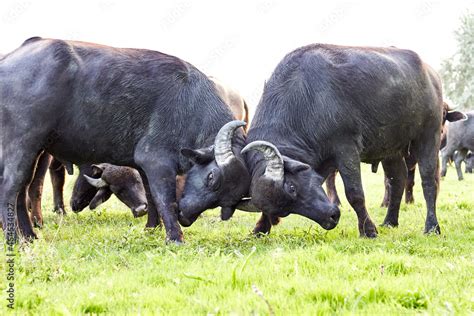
(349,168)
(386,195)
(396,174)
(426,150)
(264,224)
(163,191)
(35,190)
(331,188)
(153,218)
(458,159)
(410,162)
(24,220)
(446,153)
(17,170)
(57,173)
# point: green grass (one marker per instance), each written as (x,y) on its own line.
(105,262)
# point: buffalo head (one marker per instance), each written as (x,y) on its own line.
(284,186)
(218,177)
(104,180)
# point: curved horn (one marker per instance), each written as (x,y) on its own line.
(274,169)
(223,142)
(98,183)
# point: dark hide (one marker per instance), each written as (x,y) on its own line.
(332,107)
(130,107)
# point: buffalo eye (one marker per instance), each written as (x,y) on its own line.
(291,189)
(210,179)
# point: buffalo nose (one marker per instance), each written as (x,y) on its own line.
(335,215)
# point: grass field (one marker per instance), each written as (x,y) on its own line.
(104,262)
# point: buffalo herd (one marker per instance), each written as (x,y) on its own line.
(171,142)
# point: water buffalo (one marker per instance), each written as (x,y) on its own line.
(460,138)
(130,107)
(85,193)
(330,107)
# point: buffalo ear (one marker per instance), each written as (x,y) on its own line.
(294,166)
(454,116)
(199,156)
(97,170)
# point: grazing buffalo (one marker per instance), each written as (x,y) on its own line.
(105,179)
(130,107)
(329,107)
(460,138)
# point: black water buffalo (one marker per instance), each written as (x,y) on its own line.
(460,138)
(330,107)
(131,107)
(85,192)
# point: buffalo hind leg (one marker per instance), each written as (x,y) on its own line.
(410,162)
(386,195)
(458,159)
(153,218)
(427,152)
(35,190)
(349,168)
(57,173)
(18,171)
(264,224)
(396,174)
(24,220)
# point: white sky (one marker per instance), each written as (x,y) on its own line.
(240,42)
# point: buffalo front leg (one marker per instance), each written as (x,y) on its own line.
(161,178)
(349,168)
(396,174)
(57,173)
(264,224)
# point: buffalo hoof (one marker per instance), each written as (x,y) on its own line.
(38,223)
(384,204)
(59,210)
(389,224)
(29,237)
(175,242)
(410,200)
(433,229)
(369,232)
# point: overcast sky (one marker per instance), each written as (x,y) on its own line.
(239,42)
